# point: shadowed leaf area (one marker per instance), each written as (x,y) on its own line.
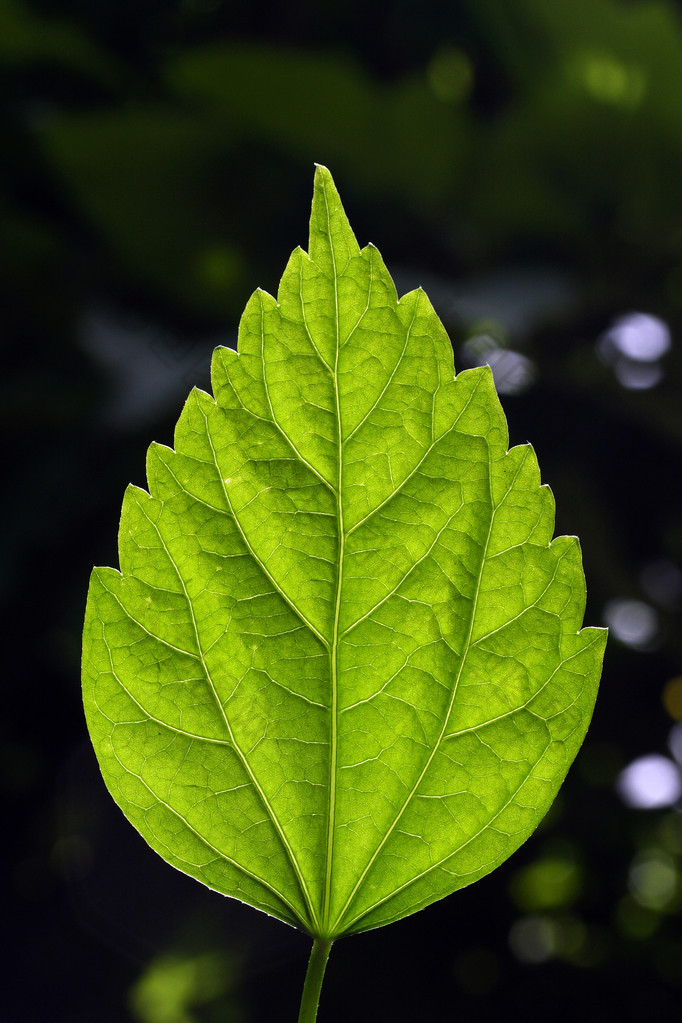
(341,672)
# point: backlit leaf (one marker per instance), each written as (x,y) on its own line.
(341,672)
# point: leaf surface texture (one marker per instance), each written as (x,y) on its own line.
(341,672)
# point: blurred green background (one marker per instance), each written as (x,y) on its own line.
(522,160)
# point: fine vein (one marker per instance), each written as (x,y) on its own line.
(226,721)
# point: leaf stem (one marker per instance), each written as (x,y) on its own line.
(313,980)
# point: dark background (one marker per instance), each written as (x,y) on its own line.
(523,161)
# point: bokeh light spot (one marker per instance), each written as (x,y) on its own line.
(172,985)
(653,879)
(513,373)
(609,80)
(547,884)
(640,336)
(633,346)
(649,782)
(632,622)
(533,939)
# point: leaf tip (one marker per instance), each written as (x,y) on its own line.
(332,241)
(324,181)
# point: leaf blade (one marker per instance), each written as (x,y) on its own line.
(344,650)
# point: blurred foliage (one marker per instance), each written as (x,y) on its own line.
(173,985)
(524,162)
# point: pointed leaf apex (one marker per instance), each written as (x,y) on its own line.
(332,242)
(323,177)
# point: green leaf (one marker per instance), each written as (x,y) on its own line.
(341,672)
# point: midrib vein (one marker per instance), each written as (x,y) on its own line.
(333,652)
